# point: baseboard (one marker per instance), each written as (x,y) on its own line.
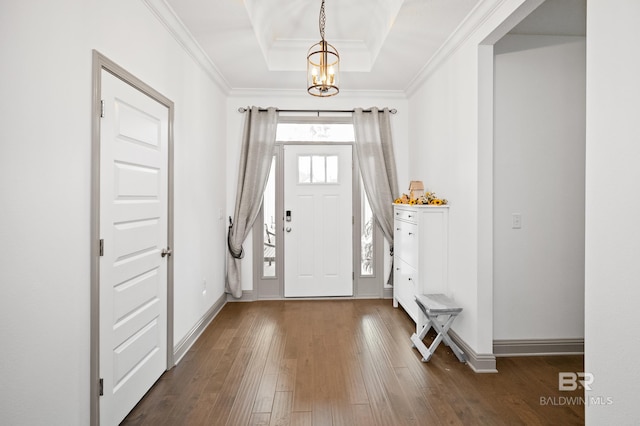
(387,293)
(479,363)
(538,347)
(250,296)
(187,341)
(247,296)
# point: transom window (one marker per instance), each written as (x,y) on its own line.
(315,132)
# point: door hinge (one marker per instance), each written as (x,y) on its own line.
(101,247)
(353,276)
(101,387)
(101,108)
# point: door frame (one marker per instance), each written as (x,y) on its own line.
(100,63)
(364,286)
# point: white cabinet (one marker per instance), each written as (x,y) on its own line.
(420,254)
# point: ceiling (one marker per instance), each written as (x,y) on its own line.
(556,17)
(262,44)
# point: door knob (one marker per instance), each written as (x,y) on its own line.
(165,252)
(288,229)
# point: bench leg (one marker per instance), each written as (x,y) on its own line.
(421,347)
(416,340)
(425,329)
(442,330)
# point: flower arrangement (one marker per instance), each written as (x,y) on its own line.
(429,198)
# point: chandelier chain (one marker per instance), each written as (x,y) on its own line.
(323,20)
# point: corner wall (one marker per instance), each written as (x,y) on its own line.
(453,157)
(612,205)
(539,149)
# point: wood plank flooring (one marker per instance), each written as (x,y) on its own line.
(345,362)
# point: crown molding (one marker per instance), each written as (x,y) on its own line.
(167,16)
(472,22)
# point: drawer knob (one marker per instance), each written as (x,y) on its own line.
(410,233)
(410,216)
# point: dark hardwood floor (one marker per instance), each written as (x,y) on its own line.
(345,362)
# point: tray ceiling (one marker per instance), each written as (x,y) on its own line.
(262,44)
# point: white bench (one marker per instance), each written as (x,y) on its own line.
(434,305)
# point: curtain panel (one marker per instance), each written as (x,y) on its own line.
(374,149)
(258,140)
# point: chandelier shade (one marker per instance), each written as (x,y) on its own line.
(323,65)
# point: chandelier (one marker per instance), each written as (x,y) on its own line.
(323,65)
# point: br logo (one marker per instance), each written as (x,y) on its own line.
(569,381)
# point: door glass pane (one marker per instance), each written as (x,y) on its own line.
(366,241)
(332,169)
(317,169)
(304,169)
(269,225)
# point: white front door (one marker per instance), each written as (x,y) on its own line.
(133,227)
(318,207)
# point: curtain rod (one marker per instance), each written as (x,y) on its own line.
(243,109)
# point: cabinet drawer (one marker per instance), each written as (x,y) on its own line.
(406,241)
(406,215)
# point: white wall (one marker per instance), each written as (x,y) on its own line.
(455,161)
(301,100)
(612,206)
(45,172)
(539,146)
(444,136)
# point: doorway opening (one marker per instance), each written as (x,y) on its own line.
(132,236)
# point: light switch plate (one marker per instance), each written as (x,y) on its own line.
(516,220)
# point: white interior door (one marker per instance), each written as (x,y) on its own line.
(318,209)
(133,227)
